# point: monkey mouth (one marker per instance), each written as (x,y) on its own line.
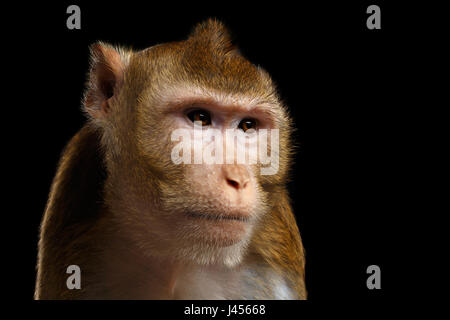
(217,217)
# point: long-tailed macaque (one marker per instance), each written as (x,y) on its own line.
(141,226)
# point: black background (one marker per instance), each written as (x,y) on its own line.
(342,82)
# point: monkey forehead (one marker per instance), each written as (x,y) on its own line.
(226,71)
(184,95)
(203,65)
(168,77)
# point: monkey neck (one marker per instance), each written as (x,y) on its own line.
(139,267)
(130,274)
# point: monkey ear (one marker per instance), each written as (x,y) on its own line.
(104,80)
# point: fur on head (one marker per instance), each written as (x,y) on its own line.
(129,96)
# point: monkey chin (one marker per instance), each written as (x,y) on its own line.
(220,230)
(216,239)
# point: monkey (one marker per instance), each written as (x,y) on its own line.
(140,226)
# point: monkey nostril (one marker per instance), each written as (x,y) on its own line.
(233,183)
(236,184)
(236,176)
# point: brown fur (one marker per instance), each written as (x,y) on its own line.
(117,164)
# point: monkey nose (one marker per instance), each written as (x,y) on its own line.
(236,177)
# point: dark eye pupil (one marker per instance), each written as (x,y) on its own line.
(247,124)
(200,115)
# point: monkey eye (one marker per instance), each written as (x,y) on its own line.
(247,124)
(200,115)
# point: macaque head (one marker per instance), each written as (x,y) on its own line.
(195,140)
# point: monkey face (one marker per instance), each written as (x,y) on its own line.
(206,200)
(182,165)
(217,208)
(177,187)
